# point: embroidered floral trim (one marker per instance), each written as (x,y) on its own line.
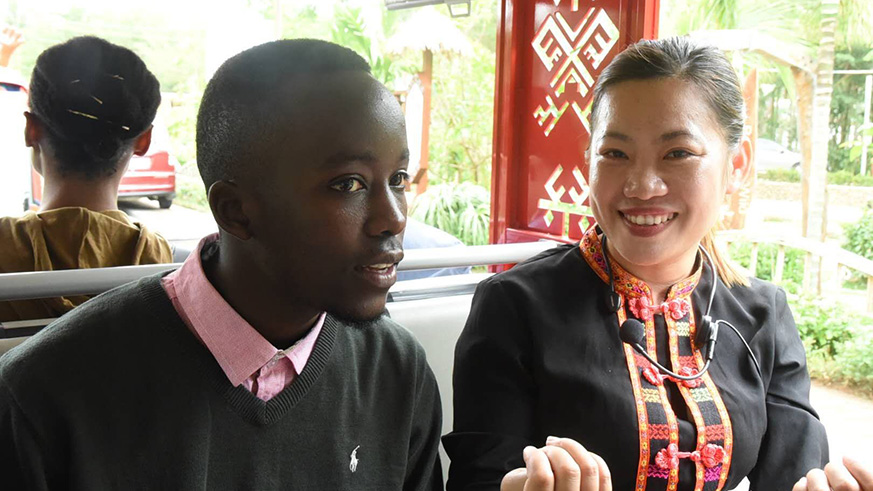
(643,310)
(710,456)
(655,377)
(626,283)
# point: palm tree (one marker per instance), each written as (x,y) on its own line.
(810,25)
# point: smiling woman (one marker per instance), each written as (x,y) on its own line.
(613,347)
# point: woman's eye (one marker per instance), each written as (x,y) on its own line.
(401,179)
(348,185)
(679,154)
(614,154)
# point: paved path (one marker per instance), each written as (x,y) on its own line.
(849,422)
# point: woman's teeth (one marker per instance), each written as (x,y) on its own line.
(649,219)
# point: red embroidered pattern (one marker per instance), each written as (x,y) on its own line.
(676,308)
(709,456)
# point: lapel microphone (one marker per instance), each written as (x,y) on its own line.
(633,332)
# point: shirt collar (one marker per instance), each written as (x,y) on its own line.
(626,283)
(238,347)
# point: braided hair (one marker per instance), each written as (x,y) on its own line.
(94,99)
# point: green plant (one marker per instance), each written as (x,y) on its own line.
(824,327)
(462,210)
(859,235)
(845,177)
(190,194)
(792,274)
(781,175)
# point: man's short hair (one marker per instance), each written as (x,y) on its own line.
(240,106)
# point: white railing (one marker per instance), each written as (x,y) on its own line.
(834,260)
(46,284)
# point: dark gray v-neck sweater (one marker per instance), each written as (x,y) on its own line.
(120,395)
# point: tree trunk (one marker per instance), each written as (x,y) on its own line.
(816,216)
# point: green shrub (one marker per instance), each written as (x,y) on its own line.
(463,210)
(859,235)
(859,239)
(824,327)
(780,175)
(792,275)
(847,178)
(842,177)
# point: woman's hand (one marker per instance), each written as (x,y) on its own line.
(562,465)
(852,477)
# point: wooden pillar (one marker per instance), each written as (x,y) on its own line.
(426,78)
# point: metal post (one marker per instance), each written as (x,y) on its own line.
(865,139)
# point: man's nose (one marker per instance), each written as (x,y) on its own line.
(387,213)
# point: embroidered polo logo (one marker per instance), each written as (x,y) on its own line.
(353,462)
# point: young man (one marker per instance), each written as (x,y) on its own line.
(265,362)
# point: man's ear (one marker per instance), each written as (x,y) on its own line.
(741,164)
(143,142)
(229,203)
(32,130)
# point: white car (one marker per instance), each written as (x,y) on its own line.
(771,155)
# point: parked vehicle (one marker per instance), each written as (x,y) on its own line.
(771,155)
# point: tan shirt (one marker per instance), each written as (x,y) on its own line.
(71,238)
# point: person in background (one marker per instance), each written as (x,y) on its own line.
(91,109)
(420,235)
(10,39)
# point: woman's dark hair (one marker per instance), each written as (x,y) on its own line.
(707,69)
(94,99)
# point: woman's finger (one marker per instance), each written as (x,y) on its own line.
(564,467)
(816,480)
(800,485)
(839,478)
(588,467)
(514,480)
(539,470)
(603,470)
(863,474)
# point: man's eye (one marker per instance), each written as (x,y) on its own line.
(348,185)
(401,179)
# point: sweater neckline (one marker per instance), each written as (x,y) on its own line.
(246,404)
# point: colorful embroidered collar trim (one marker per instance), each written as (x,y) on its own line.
(625,283)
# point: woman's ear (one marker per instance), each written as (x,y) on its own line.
(143,142)
(741,164)
(32,130)
(229,204)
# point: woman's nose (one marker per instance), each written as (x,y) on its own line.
(644,182)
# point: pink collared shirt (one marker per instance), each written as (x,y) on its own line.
(243,354)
